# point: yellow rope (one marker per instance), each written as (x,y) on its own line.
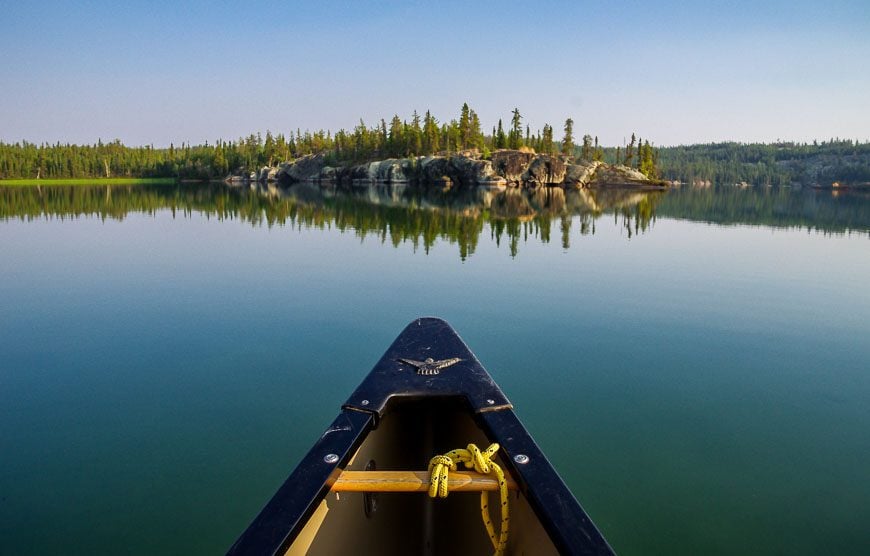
(472,457)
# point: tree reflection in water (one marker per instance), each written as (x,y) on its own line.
(402,214)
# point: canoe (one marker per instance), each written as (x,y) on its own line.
(364,487)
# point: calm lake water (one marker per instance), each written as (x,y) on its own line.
(696,364)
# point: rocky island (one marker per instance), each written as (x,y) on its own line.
(521,168)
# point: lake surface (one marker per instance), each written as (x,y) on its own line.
(696,364)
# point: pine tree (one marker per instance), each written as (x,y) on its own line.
(384,135)
(629,151)
(476,135)
(586,150)
(465,126)
(416,132)
(515,138)
(430,134)
(568,140)
(547,140)
(648,161)
(220,165)
(396,140)
(639,157)
(500,139)
(269,149)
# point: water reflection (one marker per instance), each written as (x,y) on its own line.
(401,214)
(394,213)
(828,211)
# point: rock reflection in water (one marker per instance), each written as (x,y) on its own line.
(460,216)
(395,212)
(508,203)
(509,211)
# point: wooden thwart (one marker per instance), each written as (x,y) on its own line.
(414,481)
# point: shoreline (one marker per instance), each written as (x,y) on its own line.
(503,168)
(88,181)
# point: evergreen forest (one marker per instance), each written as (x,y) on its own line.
(783,163)
(419,135)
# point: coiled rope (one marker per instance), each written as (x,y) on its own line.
(480,461)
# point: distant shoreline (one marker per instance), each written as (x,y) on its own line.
(89,181)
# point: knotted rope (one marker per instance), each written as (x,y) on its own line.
(480,461)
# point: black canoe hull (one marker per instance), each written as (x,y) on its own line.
(396,387)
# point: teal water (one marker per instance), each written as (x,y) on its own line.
(695,364)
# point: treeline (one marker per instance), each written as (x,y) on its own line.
(784,163)
(101,160)
(420,135)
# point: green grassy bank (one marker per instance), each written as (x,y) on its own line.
(90,181)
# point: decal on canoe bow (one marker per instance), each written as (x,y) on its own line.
(430,366)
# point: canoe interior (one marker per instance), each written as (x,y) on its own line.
(408,435)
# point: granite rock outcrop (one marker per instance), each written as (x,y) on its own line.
(505,168)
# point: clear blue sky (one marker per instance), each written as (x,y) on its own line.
(675,72)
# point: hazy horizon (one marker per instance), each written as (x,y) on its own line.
(675,74)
